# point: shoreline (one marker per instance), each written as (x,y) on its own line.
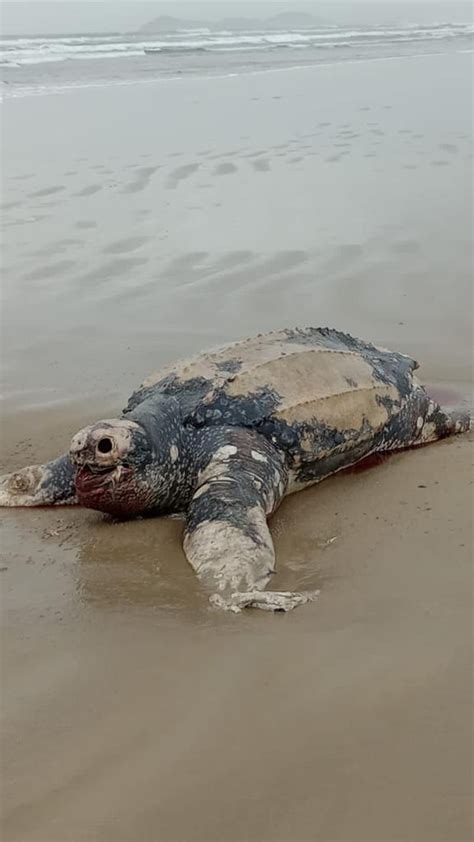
(244,72)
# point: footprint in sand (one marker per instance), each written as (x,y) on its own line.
(89,191)
(46,191)
(256,154)
(242,269)
(49,271)
(112,269)
(85,223)
(196,266)
(449,147)
(225,169)
(125,246)
(261,165)
(143,177)
(187,263)
(56,247)
(406,247)
(349,250)
(180,174)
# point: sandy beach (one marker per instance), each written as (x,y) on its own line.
(145,222)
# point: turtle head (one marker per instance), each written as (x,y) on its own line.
(125,467)
(114,459)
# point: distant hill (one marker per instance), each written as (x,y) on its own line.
(284,21)
(165,23)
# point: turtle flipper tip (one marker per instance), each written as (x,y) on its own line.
(276,601)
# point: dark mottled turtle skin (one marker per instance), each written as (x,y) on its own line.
(224,436)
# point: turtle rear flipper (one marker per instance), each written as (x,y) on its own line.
(440,423)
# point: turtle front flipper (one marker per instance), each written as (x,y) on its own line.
(227,540)
(40,485)
(266,600)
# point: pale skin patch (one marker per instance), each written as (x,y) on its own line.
(259,457)
(226,557)
(202,490)
(174,453)
(218,465)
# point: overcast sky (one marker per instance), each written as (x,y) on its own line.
(61,16)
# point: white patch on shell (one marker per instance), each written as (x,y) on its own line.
(419,422)
(259,457)
(174,453)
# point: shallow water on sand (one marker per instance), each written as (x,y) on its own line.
(149,223)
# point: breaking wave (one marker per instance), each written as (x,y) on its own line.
(17,52)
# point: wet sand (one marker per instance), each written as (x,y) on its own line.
(152,221)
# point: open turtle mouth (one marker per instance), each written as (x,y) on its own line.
(91,477)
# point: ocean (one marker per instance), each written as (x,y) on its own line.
(46,64)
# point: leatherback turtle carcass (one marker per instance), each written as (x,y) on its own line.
(224,436)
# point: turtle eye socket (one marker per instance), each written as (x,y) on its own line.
(104,445)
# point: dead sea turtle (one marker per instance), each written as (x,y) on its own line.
(224,436)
